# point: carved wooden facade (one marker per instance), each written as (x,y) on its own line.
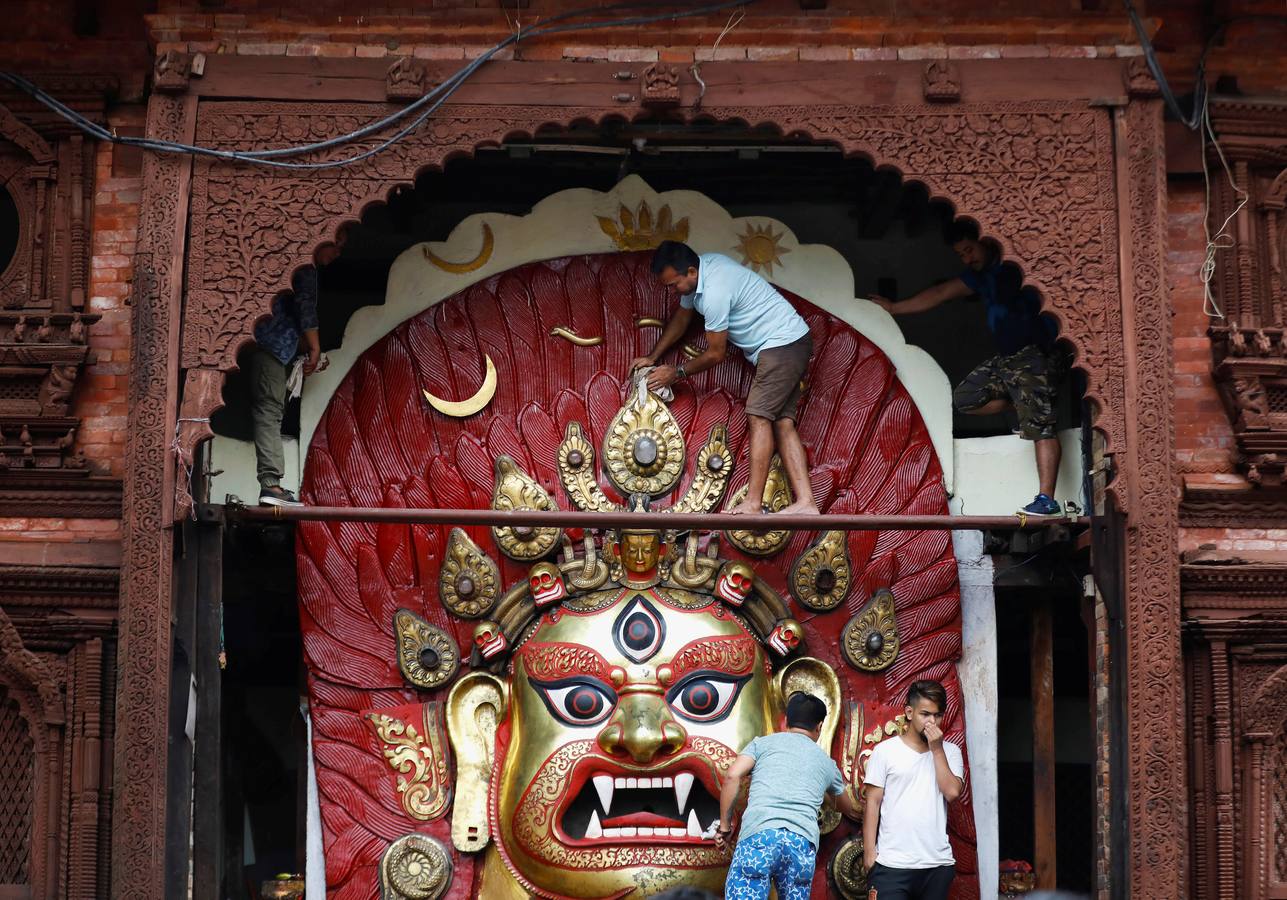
(1073,193)
(57,618)
(1250,284)
(46,197)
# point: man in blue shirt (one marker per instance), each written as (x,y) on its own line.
(1025,376)
(790,776)
(279,339)
(739,307)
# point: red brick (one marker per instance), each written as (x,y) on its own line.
(675,55)
(824,54)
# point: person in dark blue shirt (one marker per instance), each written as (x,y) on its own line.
(1026,374)
(291,331)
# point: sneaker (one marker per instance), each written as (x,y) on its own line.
(1042,505)
(277,496)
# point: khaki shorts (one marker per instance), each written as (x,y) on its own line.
(775,392)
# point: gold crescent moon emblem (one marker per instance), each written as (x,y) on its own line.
(460,409)
(489,241)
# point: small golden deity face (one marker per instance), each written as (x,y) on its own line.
(620,725)
(639,552)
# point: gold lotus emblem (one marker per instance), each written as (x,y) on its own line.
(638,230)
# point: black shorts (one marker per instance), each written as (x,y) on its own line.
(885,883)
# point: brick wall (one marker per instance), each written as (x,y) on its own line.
(100,398)
(1204,438)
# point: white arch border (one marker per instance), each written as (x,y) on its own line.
(567,224)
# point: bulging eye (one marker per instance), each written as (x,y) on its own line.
(577,702)
(705,696)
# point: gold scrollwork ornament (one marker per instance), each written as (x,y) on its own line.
(643,449)
(422,761)
(777,497)
(847,870)
(820,577)
(515,489)
(711,471)
(415,867)
(427,656)
(469,580)
(870,639)
(576,471)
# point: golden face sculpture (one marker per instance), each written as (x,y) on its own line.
(620,724)
(639,552)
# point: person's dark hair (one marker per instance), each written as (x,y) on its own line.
(675,254)
(805,711)
(961,230)
(685,893)
(928,690)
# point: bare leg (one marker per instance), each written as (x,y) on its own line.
(761,452)
(797,466)
(991,408)
(1048,454)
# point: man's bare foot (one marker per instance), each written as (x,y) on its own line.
(800,508)
(746,508)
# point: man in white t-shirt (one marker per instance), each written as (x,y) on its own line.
(909,783)
(739,307)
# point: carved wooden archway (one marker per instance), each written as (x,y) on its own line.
(1073,194)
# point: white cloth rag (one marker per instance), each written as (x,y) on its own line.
(295,377)
(639,383)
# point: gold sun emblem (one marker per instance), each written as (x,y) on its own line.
(761,248)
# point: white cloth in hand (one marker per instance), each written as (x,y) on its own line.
(640,378)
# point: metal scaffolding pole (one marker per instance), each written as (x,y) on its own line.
(650,520)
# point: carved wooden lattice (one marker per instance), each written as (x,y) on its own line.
(17,789)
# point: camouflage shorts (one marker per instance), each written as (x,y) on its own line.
(1029,379)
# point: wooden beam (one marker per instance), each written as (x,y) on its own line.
(1042,640)
(208,819)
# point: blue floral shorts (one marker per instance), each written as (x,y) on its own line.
(777,855)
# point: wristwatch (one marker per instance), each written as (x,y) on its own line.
(680,374)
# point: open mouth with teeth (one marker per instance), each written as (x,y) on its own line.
(673,806)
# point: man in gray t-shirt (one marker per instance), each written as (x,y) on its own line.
(790,776)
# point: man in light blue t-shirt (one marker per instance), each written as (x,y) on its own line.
(739,307)
(790,775)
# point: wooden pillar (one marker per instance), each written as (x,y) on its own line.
(1042,656)
(208,796)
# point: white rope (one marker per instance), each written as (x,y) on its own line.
(1222,239)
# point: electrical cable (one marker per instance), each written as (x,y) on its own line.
(426,105)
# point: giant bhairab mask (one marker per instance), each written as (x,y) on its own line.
(536,740)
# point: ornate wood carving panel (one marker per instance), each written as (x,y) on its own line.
(139,810)
(1037,176)
(46,186)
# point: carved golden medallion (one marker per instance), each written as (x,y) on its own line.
(415,867)
(461,409)
(848,871)
(643,450)
(711,471)
(777,496)
(469,580)
(638,231)
(427,656)
(870,640)
(422,760)
(515,489)
(820,577)
(761,248)
(577,472)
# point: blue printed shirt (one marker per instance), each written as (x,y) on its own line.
(732,298)
(293,314)
(1014,311)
